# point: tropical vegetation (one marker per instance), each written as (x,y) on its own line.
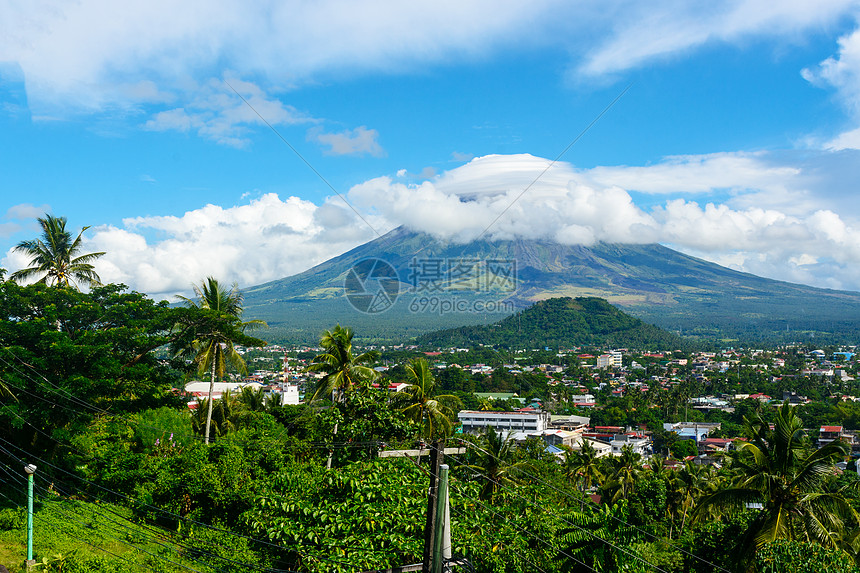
(129,478)
(56,257)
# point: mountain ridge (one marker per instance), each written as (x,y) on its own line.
(661,286)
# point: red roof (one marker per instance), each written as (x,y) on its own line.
(831,429)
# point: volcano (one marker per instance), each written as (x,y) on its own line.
(404,284)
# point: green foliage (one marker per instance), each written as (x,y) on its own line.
(560,322)
(71,354)
(785,555)
(368,515)
(57,257)
(683,448)
(780,469)
(163,425)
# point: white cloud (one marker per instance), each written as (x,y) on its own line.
(699,174)
(24,211)
(643,31)
(217,113)
(269,238)
(583,207)
(95,55)
(81,56)
(842,73)
(358,141)
(265,239)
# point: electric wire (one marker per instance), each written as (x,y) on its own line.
(488,544)
(522,530)
(283,432)
(96,547)
(75,518)
(592,504)
(101,512)
(176,516)
(591,534)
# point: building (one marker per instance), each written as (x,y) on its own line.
(290,395)
(828,434)
(475,421)
(611,360)
(638,443)
(569,422)
(697,431)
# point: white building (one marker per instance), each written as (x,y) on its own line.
(611,360)
(475,421)
(290,395)
(640,445)
(201,389)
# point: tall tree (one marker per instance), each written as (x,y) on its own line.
(342,370)
(57,257)
(782,472)
(495,464)
(418,401)
(213,343)
(582,466)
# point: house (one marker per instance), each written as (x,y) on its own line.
(828,434)
(290,395)
(475,421)
(794,398)
(714,445)
(558,437)
(570,423)
(696,431)
(639,443)
(602,449)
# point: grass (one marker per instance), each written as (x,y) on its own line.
(74,536)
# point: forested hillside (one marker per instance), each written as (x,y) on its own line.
(560,323)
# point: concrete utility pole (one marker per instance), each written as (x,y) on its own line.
(437,454)
(30,469)
(442,527)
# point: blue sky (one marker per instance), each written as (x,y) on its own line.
(737,138)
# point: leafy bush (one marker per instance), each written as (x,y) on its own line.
(782,555)
(13,518)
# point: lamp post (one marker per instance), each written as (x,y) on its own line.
(30,470)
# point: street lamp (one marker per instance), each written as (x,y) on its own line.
(30,470)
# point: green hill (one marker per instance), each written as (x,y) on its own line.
(560,323)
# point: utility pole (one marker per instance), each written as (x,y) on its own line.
(30,469)
(437,454)
(442,527)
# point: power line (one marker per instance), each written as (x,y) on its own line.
(179,517)
(530,534)
(591,534)
(591,503)
(97,548)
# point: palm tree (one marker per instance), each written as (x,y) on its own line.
(214,347)
(582,467)
(780,470)
(56,257)
(343,371)
(495,464)
(628,466)
(419,402)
